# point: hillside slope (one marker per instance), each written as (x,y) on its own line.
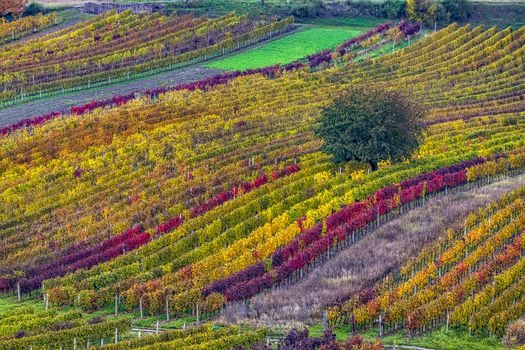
(366,262)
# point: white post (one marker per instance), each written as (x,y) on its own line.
(140,307)
(157,330)
(47,301)
(75,343)
(18,291)
(116,335)
(139,333)
(116,305)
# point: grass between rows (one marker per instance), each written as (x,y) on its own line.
(441,339)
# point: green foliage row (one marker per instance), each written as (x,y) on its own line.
(65,338)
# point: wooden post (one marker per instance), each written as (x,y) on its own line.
(352,320)
(197,312)
(167,308)
(328,246)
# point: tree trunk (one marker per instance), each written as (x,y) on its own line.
(373,165)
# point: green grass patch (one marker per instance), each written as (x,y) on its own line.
(453,339)
(10,302)
(288,49)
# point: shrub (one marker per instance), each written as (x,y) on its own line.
(34,9)
(515,334)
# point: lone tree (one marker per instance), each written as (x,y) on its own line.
(370,125)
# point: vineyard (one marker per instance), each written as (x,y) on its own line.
(191,216)
(120,46)
(10,31)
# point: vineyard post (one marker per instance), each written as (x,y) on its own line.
(116,335)
(197,312)
(381,325)
(157,328)
(75,343)
(328,247)
(140,308)
(167,308)
(448,319)
(116,305)
(102,342)
(47,301)
(325,320)
(19,297)
(140,334)
(352,320)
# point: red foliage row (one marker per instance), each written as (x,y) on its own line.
(313,242)
(219,79)
(25,123)
(119,100)
(381,28)
(245,187)
(79,257)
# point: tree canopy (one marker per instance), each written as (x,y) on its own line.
(12,7)
(370,125)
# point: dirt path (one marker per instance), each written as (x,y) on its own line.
(364,263)
(63,102)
